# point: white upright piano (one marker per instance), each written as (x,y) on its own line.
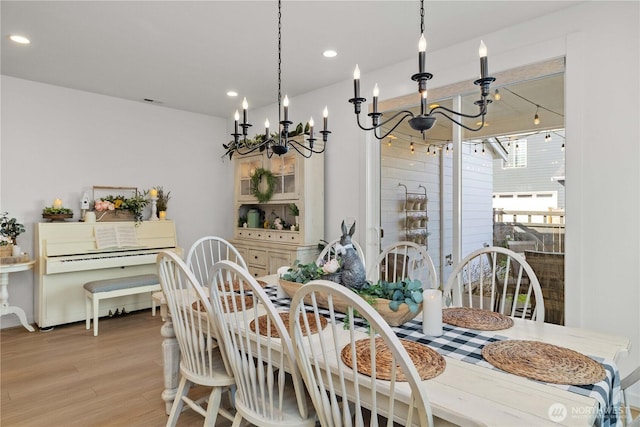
(68,257)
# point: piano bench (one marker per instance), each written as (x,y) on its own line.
(110,288)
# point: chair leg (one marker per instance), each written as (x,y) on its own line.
(213,405)
(237,421)
(178,403)
(153,306)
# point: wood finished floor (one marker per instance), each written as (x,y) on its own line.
(68,377)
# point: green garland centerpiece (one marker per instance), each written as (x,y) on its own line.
(256,180)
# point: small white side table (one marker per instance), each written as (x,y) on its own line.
(5,308)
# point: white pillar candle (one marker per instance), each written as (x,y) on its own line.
(432,312)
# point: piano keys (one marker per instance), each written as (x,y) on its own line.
(68,257)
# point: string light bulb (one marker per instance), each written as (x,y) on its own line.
(547,137)
(536,118)
(497,95)
(412,148)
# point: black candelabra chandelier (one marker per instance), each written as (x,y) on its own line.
(426,119)
(279,145)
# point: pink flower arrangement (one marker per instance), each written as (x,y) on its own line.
(104,205)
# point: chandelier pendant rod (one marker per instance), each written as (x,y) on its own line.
(282,143)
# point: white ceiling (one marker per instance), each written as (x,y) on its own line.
(187,54)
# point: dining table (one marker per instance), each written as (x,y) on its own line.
(471,391)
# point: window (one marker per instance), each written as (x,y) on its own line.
(517,157)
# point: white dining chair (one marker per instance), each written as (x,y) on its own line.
(208,250)
(496,279)
(404,260)
(625,383)
(341,394)
(329,251)
(253,335)
(201,361)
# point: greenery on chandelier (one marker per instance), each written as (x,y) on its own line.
(259,138)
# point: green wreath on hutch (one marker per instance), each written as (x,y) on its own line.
(256,179)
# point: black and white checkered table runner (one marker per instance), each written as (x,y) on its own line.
(466,345)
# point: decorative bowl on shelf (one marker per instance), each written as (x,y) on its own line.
(57,217)
(381,305)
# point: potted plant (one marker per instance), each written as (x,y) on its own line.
(163,199)
(10,229)
(56,214)
(293,208)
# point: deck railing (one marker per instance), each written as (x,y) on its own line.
(546,228)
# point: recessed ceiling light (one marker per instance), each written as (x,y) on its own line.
(19,39)
(232,94)
(329,53)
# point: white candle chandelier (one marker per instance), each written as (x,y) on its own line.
(278,143)
(426,119)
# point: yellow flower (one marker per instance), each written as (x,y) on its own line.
(118,203)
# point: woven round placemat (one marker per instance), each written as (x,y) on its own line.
(543,362)
(248,301)
(262,323)
(426,360)
(236,285)
(475,318)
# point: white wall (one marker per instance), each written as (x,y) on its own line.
(57,143)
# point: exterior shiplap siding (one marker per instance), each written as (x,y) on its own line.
(545,160)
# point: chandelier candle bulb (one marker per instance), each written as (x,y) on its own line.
(285,105)
(245,106)
(236,117)
(422,54)
(325,118)
(432,313)
(311,128)
(376,93)
(266,128)
(484,63)
(356,82)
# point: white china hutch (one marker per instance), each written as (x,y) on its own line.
(297,180)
